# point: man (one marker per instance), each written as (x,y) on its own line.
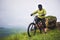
(41,16)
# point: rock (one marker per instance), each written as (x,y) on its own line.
(51,22)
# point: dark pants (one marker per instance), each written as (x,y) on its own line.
(37,19)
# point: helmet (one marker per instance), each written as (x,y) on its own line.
(40,7)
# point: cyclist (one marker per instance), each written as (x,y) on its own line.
(41,16)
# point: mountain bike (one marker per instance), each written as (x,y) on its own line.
(32,28)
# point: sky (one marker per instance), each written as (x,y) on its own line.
(17,12)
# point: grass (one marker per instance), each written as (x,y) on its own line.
(50,35)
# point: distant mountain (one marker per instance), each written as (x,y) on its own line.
(7,31)
(1,27)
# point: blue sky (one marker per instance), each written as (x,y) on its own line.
(17,12)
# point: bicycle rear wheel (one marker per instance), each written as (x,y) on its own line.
(31,29)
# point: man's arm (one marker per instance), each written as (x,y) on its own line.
(44,12)
(34,12)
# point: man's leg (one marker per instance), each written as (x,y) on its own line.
(36,20)
(44,25)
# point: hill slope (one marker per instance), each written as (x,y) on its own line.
(51,35)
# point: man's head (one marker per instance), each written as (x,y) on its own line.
(40,7)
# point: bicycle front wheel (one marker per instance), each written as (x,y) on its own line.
(31,29)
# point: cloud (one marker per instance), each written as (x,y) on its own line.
(17,12)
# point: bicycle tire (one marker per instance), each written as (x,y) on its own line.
(29,28)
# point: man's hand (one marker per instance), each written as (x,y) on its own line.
(31,14)
(42,14)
